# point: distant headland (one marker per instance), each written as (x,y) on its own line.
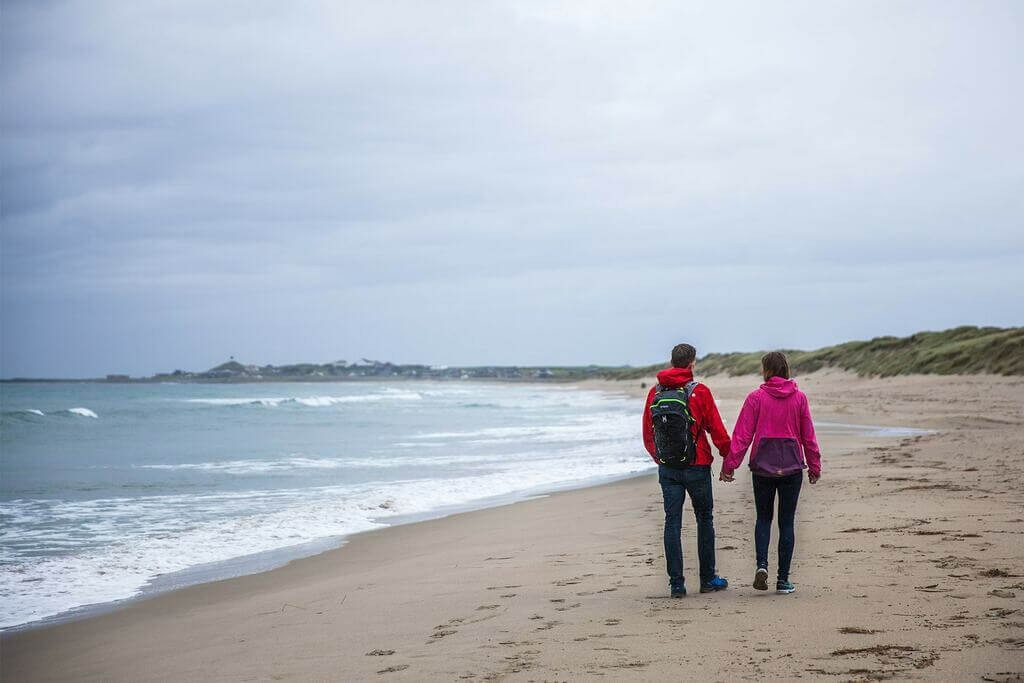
(957,351)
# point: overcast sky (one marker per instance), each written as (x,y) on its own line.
(500,182)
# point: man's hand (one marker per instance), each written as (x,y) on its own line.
(722,476)
(813,478)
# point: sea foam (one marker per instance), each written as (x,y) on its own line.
(309,401)
(173,533)
(178,481)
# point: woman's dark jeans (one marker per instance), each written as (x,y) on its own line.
(788,488)
(675,484)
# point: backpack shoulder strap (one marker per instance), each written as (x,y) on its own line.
(689,387)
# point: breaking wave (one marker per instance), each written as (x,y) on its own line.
(308,401)
(29,413)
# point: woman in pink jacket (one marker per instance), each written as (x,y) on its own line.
(776,421)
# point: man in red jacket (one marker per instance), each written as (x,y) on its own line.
(694,479)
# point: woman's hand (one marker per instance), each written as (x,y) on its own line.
(722,476)
(813,478)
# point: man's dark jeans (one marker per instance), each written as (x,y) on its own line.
(788,489)
(675,484)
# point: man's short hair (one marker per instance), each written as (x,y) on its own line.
(683,355)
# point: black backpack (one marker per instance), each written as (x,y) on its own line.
(673,425)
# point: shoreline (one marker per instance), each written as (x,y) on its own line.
(502,581)
(279,558)
(210,563)
(328,546)
(276,558)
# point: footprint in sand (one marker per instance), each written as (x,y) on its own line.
(612,622)
(996,573)
(393,669)
(890,658)
(565,608)
(380,653)
(1009,643)
(437,635)
(443,630)
(999,612)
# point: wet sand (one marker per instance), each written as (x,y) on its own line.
(909,564)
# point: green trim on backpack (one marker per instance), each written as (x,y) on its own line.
(672,423)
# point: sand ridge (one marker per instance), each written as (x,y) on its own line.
(909,564)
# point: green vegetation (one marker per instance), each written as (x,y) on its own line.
(230,366)
(959,351)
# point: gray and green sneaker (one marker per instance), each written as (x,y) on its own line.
(761,579)
(784,587)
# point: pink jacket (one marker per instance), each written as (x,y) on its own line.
(775,413)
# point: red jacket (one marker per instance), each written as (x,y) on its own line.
(705,415)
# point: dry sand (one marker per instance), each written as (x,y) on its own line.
(909,564)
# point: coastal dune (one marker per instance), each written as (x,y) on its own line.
(909,564)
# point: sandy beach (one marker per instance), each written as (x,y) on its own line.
(909,565)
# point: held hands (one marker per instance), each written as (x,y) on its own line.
(722,476)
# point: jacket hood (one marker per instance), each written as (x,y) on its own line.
(674,377)
(779,387)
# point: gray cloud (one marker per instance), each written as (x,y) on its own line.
(499,182)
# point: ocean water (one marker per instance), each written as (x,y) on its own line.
(105,488)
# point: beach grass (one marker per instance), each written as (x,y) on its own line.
(958,351)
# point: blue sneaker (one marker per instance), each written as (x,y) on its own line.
(715,584)
(784,587)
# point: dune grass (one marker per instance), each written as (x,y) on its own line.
(958,351)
